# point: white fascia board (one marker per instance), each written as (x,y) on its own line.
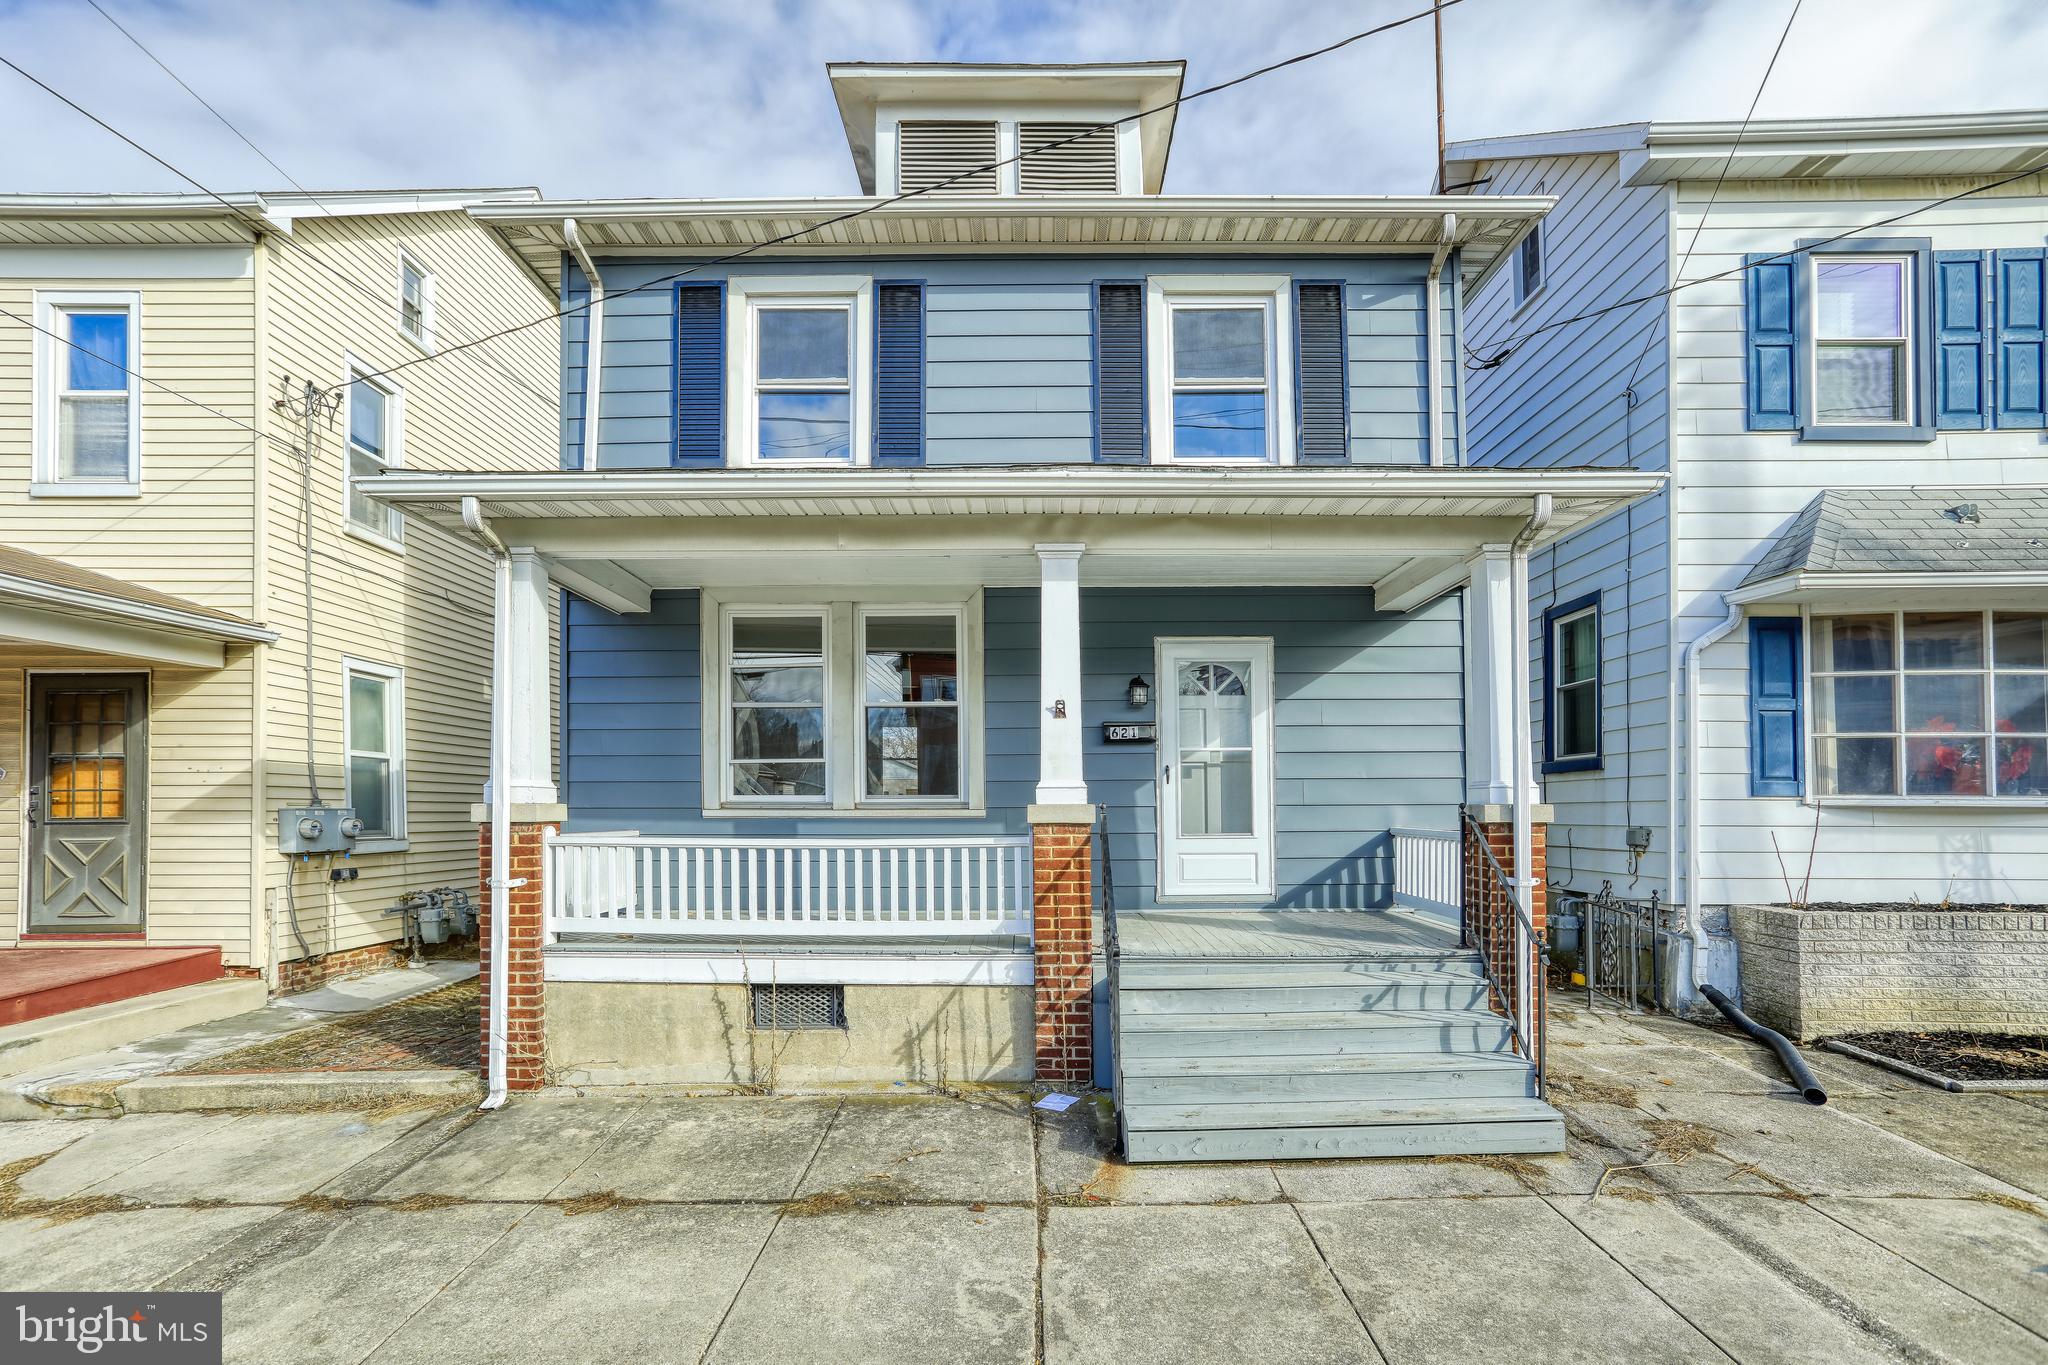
(150,615)
(684,965)
(100,636)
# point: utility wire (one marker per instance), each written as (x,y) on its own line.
(969,174)
(1511,344)
(381,299)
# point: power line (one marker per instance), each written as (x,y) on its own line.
(969,174)
(1511,344)
(377,297)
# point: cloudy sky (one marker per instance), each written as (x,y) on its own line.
(622,97)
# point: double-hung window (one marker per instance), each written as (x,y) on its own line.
(375,434)
(415,301)
(777,696)
(88,420)
(373,735)
(800,371)
(1931,704)
(1221,395)
(1863,340)
(842,706)
(1572,658)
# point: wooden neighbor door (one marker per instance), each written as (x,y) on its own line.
(1216,768)
(88,774)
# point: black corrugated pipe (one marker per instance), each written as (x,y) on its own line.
(1795,1065)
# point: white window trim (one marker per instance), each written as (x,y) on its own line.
(394,738)
(394,454)
(428,312)
(1558,686)
(745,296)
(1162,292)
(49,365)
(1909,362)
(845,732)
(1810,713)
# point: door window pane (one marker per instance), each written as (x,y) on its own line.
(1219,343)
(1215,707)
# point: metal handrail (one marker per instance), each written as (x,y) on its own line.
(1539,993)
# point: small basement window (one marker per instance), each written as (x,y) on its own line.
(787,1009)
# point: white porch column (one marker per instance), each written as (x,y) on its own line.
(529,766)
(1060,782)
(1490,691)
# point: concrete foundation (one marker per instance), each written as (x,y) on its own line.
(634,1033)
(1813,974)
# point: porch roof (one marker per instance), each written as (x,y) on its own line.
(613,535)
(47,601)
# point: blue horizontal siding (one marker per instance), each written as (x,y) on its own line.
(1007,368)
(1367,725)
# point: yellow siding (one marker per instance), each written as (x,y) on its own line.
(191,532)
(200,788)
(426,609)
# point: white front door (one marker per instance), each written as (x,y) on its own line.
(1216,768)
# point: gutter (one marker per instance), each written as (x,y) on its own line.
(1695,917)
(47,594)
(1433,330)
(501,798)
(593,342)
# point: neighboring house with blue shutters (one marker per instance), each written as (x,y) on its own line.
(1822,646)
(946,570)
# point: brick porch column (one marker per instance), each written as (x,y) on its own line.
(525,1019)
(1062,943)
(1489,917)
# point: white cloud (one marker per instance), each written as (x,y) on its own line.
(730,98)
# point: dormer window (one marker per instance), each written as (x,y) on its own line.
(946,156)
(1066,158)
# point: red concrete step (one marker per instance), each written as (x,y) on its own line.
(36,983)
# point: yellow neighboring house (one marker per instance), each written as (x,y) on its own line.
(165,360)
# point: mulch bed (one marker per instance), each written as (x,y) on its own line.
(1963,1056)
(430,1032)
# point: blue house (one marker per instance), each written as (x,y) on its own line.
(1020,625)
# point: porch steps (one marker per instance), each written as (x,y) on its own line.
(1373,1053)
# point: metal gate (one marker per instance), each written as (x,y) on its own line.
(1629,948)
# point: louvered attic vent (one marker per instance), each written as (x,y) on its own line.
(930,153)
(1086,165)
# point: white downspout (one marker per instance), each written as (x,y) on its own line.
(1524,763)
(1695,915)
(1433,331)
(501,795)
(593,343)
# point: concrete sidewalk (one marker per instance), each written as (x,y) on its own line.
(1731,1222)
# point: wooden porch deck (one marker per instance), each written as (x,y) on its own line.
(1260,935)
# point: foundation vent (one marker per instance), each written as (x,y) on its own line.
(785,1009)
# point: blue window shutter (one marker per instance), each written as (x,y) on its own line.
(1774,742)
(1962,340)
(2020,374)
(1120,372)
(1773,349)
(1321,389)
(899,372)
(700,374)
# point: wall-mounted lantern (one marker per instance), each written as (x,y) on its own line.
(1139,693)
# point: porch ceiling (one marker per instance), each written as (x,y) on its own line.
(615,535)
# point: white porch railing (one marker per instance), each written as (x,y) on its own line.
(978,885)
(1428,871)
